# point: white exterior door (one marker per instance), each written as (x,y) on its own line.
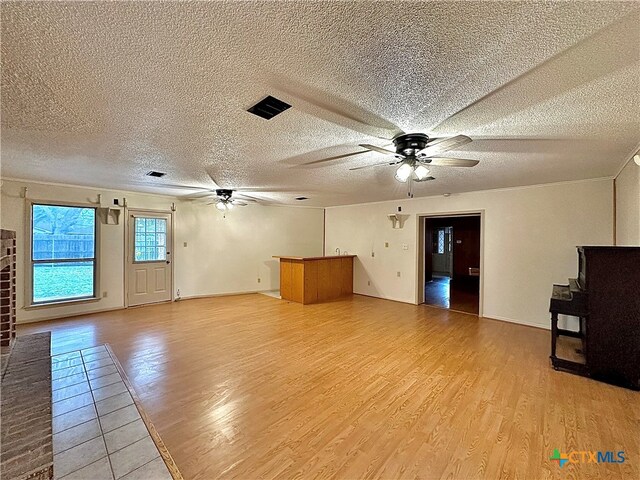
(149,259)
(442,251)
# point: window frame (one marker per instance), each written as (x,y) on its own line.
(30,262)
(134,261)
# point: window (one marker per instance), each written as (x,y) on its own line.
(150,239)
(441,241)
(63,253)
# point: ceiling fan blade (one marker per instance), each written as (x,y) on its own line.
(330,159)
(213,179)
(427,179)
(373,165)
(198,195)
(166,185)
(321,104)
(450,162)
(266,190)
(443,145)
(248,198)
(384,151)
(239,204)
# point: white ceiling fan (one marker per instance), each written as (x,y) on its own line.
(225,199)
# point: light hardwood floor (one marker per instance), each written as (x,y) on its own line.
(255,387)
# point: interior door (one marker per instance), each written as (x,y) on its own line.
(465,282)
(442,251)
(149,265)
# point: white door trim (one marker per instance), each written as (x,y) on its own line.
(128,211)
(420,217)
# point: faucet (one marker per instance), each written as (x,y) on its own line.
(337,251)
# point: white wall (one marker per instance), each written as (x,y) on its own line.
(223,255)
(628,205)
(530,239)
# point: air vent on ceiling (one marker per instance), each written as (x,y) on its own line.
(302,198)
(269,107)
(153,173)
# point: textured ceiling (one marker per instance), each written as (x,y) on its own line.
(99,93)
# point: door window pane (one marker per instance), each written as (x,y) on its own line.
(150,239)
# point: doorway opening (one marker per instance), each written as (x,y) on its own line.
(451,262)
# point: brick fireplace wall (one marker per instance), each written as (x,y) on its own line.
(7,290)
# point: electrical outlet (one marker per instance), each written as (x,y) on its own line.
(405,246)
(258,279)
(369,283)
(386,244)
(373,254)
(104,294)
(184,244)
(398,274)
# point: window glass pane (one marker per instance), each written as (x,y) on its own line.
(440,241)
(63,232)
(150,239)
(62,281)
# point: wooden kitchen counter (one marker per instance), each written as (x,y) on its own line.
(315,279)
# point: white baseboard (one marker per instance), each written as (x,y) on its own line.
(518,322)
(211,295)
(103,310)
(408,302)
(68,315)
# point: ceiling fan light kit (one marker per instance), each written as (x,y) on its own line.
(404,171)
(421,172)
(413,170)
(224,205)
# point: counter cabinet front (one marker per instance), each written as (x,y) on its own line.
(315,279)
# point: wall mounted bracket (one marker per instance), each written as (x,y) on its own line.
(397,220)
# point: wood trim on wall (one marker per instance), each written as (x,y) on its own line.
(615,213)
(324,231)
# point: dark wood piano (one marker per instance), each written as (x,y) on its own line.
(606,299)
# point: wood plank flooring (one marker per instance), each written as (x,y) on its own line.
(254,387)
